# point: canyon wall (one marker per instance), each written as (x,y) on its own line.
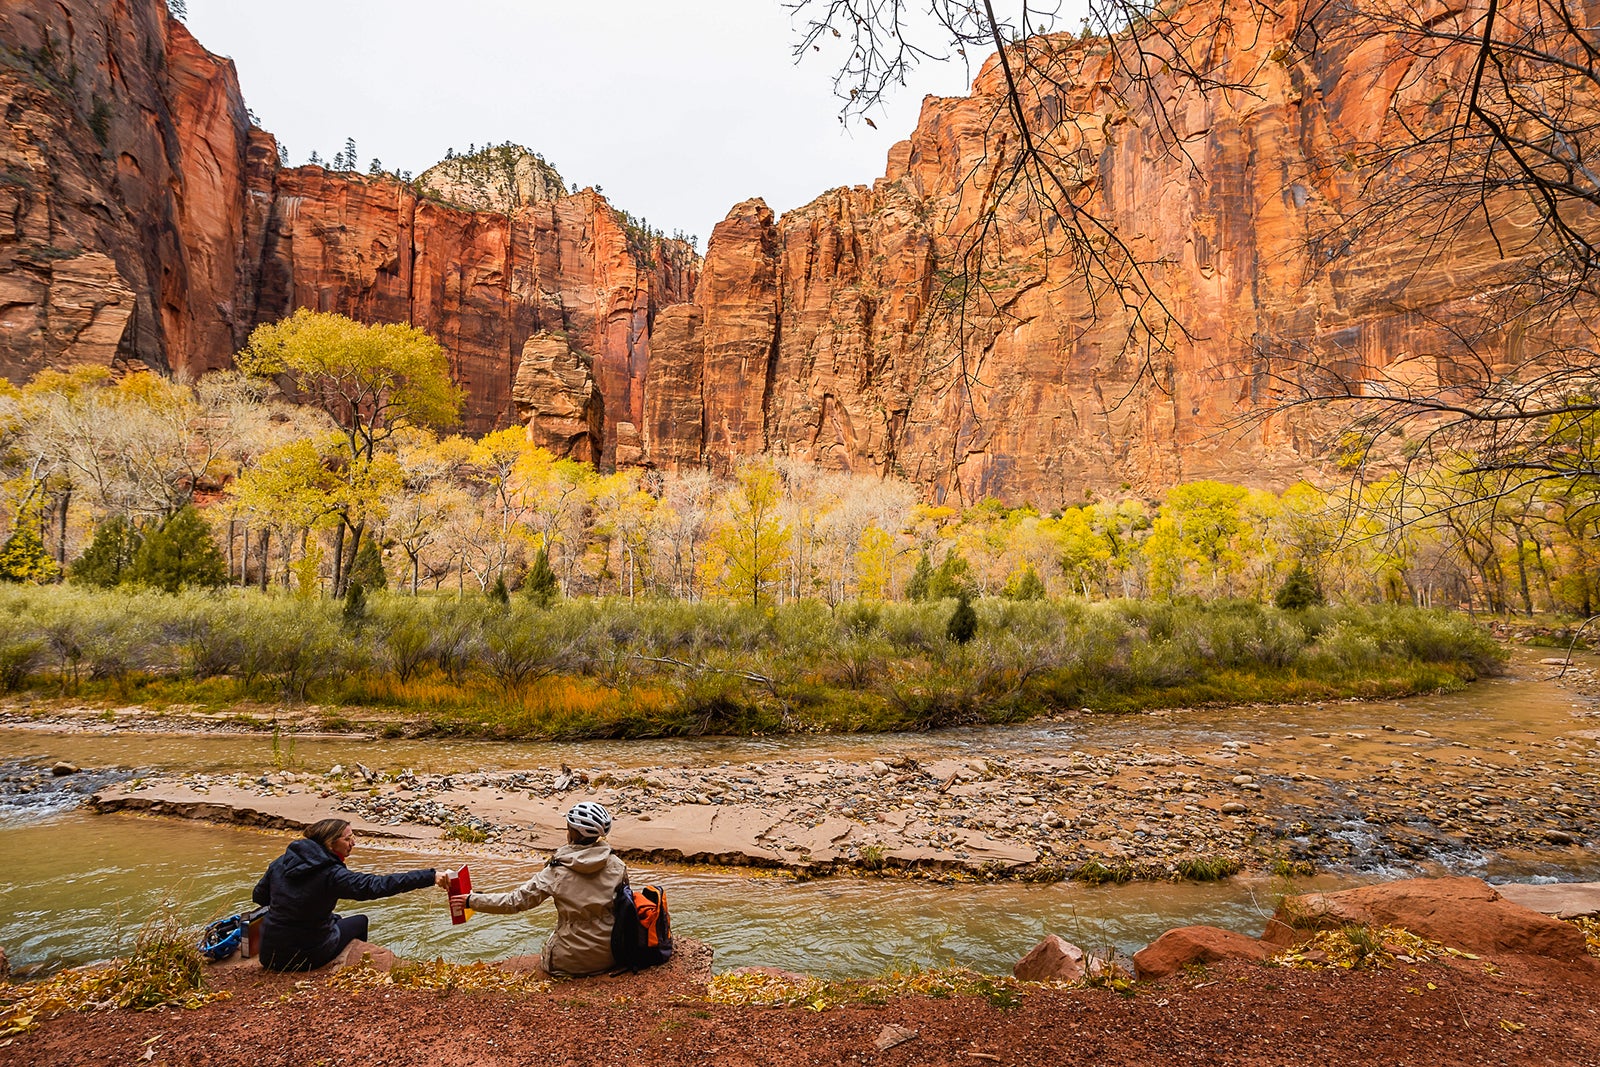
(143,220)
(885,353)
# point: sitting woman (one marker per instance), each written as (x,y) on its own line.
(300,931)
(582,877)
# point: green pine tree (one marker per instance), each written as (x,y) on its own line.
(109,557)
(23,558)
(963,624)
(540,586)
(368,567)
(179,554)
(953,578)
(921,579)
(498,592)
(355,604)
(1024,585)
(1299,591)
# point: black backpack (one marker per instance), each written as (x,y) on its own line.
(641,933)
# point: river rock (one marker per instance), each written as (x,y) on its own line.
(1564,900)
(365,954)
(1052,960)
(893,1034)
(1465,913)
(1233,807)
(63,768)
(1175,949)
(5,965)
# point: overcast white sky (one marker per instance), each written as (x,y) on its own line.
(677,110)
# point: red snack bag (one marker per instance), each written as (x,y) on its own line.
(460,884)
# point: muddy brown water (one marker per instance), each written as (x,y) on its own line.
(78,887)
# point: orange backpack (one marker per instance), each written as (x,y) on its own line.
(641,935)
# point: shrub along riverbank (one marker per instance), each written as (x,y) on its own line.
(621,668)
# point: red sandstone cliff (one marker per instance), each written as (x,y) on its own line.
(126,225)
(1033,387)
(141,218)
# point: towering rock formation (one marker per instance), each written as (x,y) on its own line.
(482,281)
(557,399)
(885,353)
(142,219)
(126,218)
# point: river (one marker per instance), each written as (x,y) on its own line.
(79,887)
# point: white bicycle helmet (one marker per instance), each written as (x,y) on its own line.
(589,819)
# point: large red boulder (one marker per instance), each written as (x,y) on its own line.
(1464,913)
(1175,949)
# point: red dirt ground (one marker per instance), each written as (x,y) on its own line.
(1533,1012)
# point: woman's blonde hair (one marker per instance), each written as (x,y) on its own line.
(326,831)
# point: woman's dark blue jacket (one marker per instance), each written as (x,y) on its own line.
(300,888)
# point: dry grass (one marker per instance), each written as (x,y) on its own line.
(165,970)
(442,977)
(1365,947)
(1591,933)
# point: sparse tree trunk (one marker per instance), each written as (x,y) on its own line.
(61,528)
(266,555)
(1522,580)
(348,566)
(338,560)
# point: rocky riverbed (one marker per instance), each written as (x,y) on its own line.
(1387,796)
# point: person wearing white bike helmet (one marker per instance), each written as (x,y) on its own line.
(582,878)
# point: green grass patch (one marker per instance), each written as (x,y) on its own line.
(1093,872)
(1207,868)
(592,669)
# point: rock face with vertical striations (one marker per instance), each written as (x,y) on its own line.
(556,397)
(482,281)
(126,221)
(1017,379)
(144,221)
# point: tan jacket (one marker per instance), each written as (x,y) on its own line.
(583,879)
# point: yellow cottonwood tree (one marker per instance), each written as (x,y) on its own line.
(751,545)
(372,380)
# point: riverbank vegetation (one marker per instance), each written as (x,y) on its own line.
(345,551)
(163,970)
(619,668)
